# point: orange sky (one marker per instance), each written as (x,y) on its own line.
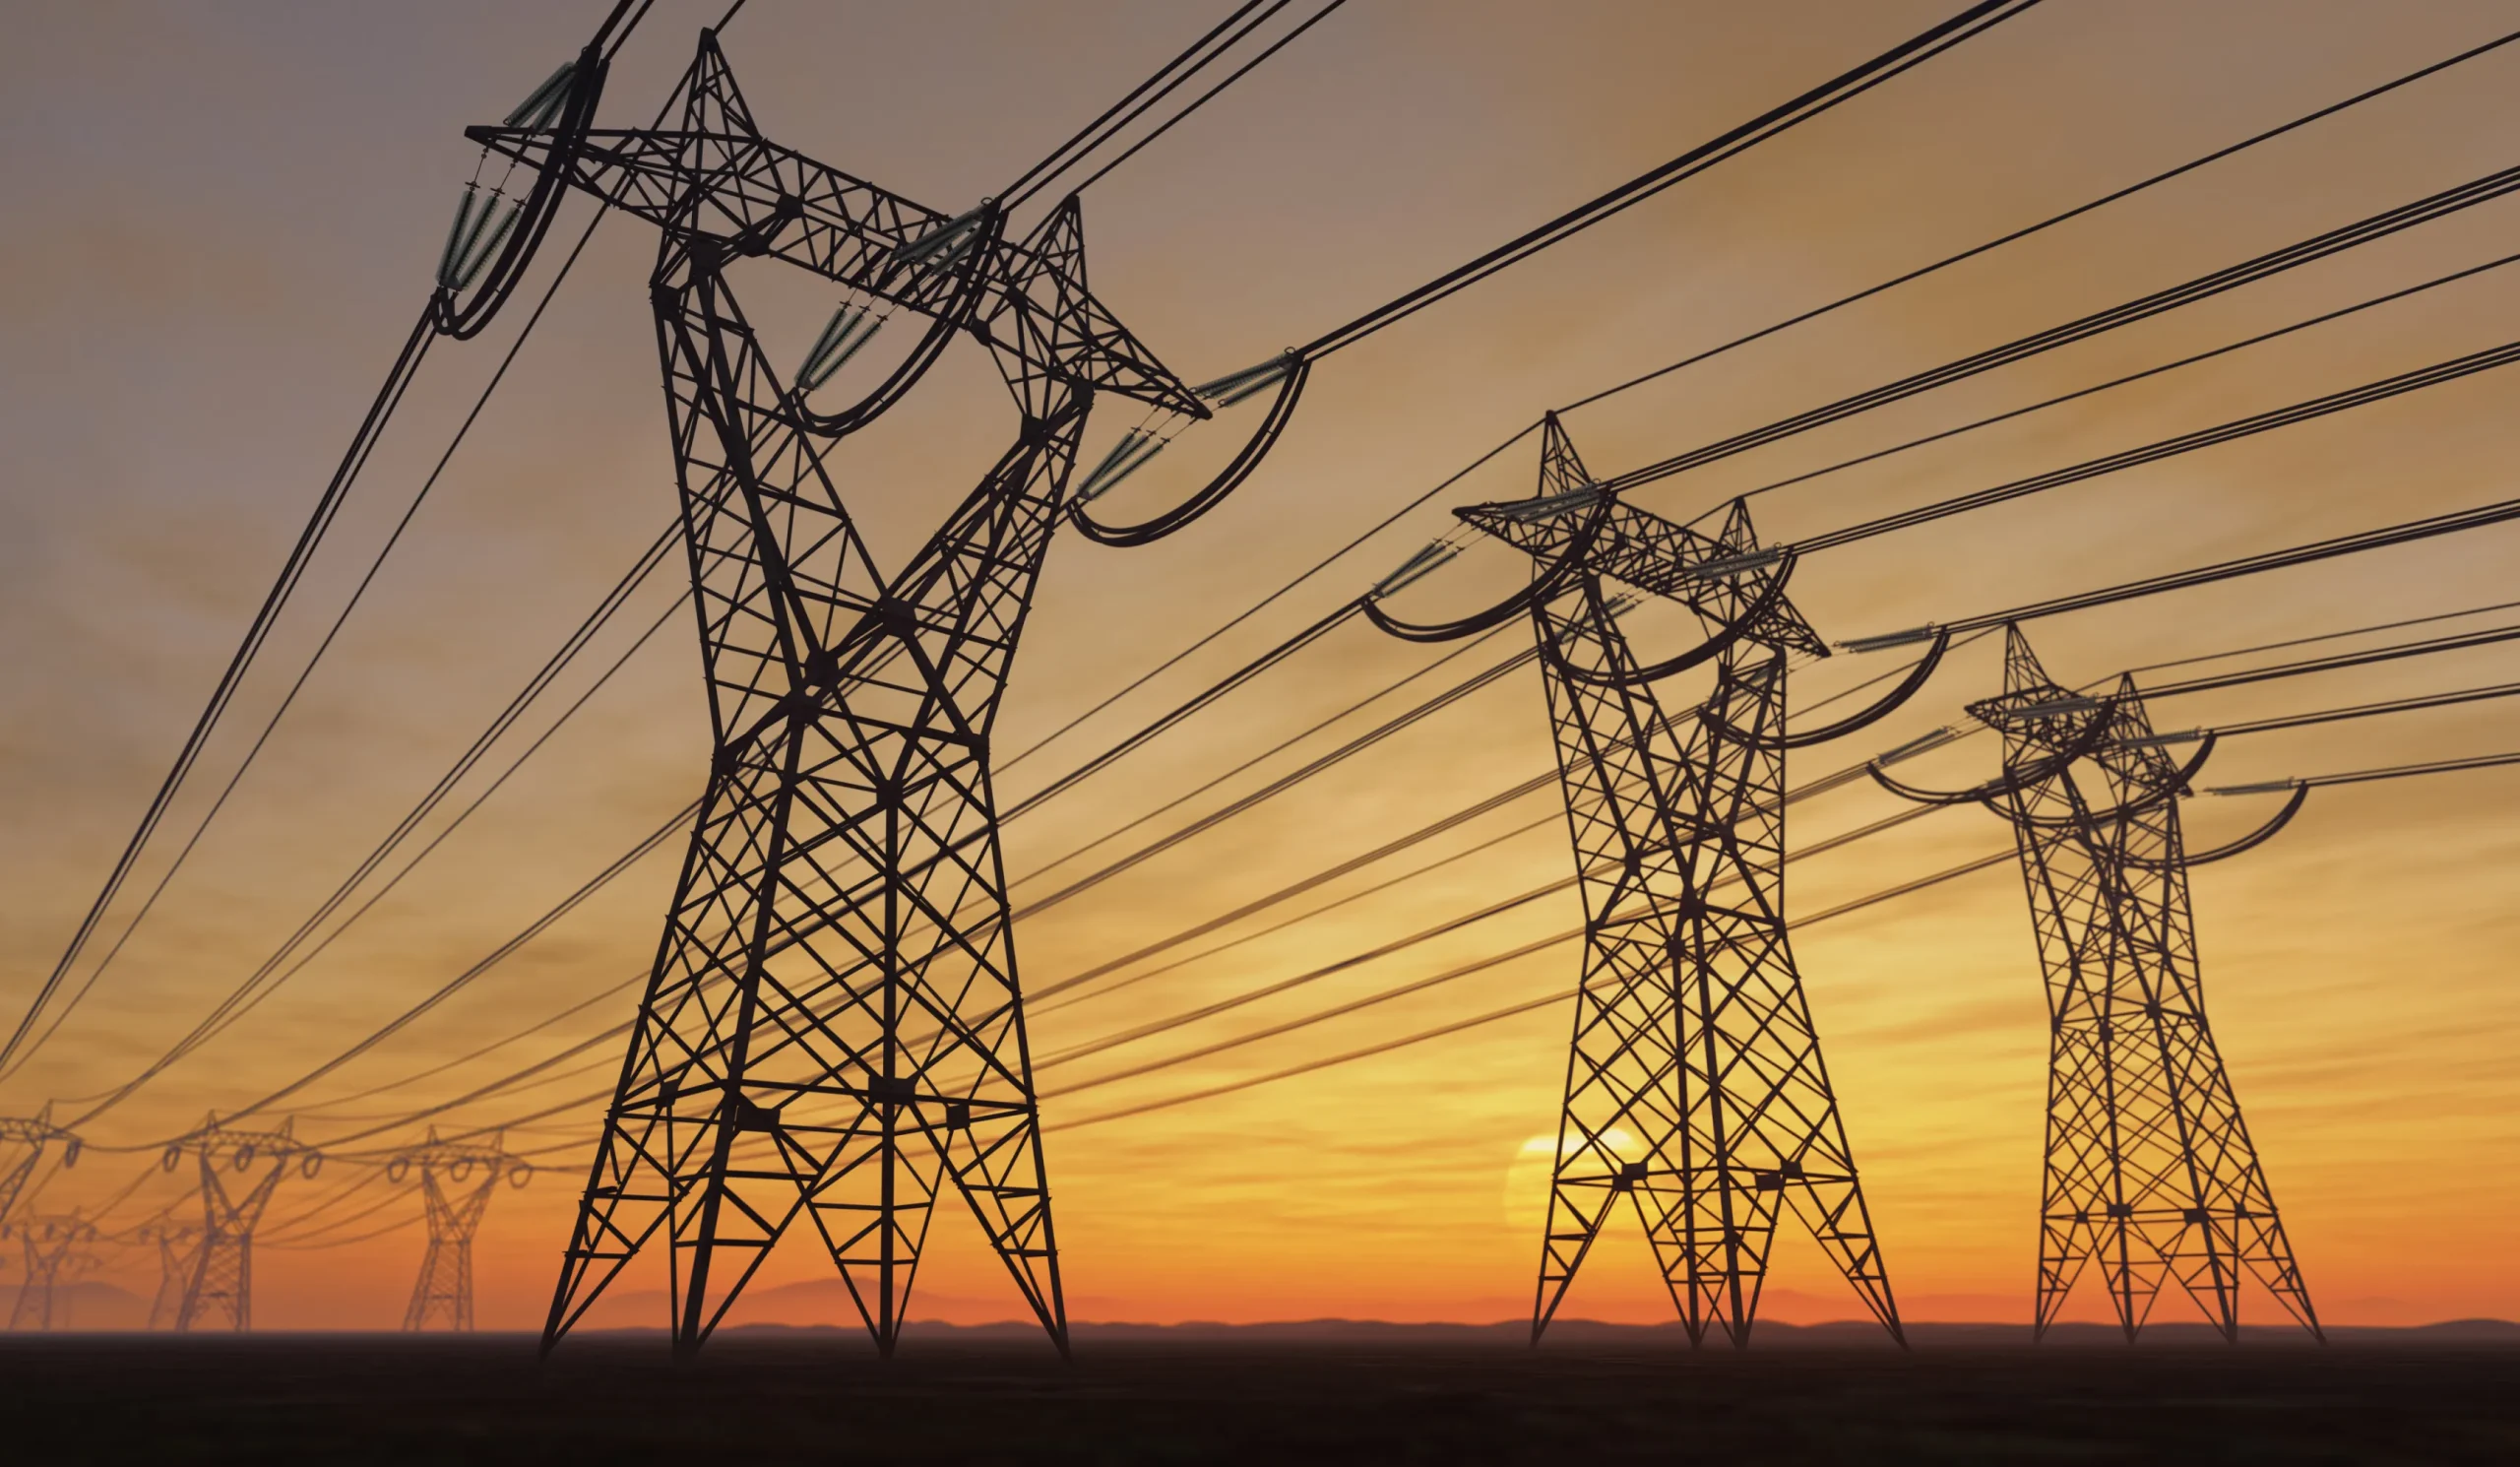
(227,216)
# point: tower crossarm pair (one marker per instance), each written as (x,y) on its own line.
(2150,1168)
(238,1171)
(457,1180)
(833,1031)
(1696,1093)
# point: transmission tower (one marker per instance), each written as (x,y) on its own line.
(219,1281)
(1695,1087)
(30,1136)
(178,1245)
(455,1201)
(53,1245)
(2149,1169)
(835,1030)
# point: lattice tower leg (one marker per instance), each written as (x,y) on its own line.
(443,1293)
(34,1306)
(834,1029)
(1695,1085)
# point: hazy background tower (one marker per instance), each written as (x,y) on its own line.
(219,1285)
(457,1182)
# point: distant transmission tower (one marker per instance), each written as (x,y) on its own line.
(1695,1088)
(2150,1168)
(29,1137)
(54,1247)
(178,1245)
(219,1286)
(833,1031)
(455,1200)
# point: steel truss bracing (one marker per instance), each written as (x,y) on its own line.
(53,1246)
(1695,1087)
(178,1242)
(457,1182)
(219,1276)
(2150,1168)
(834,1033)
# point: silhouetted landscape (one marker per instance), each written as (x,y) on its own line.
(1328,1392)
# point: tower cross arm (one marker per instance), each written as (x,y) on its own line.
(1025,298)
(1719,577)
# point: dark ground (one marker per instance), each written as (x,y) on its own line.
(1293,1395)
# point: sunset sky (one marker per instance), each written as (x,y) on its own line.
(225,219)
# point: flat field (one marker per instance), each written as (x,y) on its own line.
(1294,1395)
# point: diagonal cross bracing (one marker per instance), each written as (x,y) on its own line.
(2149,1169)
(834,1032)
(1695,1086)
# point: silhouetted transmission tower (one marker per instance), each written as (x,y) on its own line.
(178,1243)
(1695,1088)
(219,1286)
(457,1181)
(53,1248)
(835,1031)
(2150,1168)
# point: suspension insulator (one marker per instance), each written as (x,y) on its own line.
(1730,566)
(1551,506)
(70,1151)
(2262,786)
(543,105)
(843,337)
(1126,457)
(1234,387)
(942,247)
(1418,567)
(482,222)
(1888,640)
(1917,745)
(244,1160)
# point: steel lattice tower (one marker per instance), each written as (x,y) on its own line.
(2149,1169)
(1695,1086)
(178,1245)
(833,1031)
(52,1248)
(454,1205)
(219,1283)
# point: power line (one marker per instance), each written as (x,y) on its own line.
(2381,225)
(2052,220)
(1772,123)
(2131,377)
(1814,313)
(2405,771)
(1192,59)
(318,525)
(2452,522)
(1209,95)
(2382,390)
(1532,1005)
